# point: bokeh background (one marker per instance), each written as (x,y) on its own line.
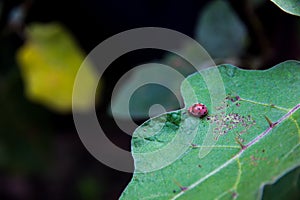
(42,44)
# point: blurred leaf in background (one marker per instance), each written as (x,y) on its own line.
(220,31)
(289,6)
(49,61)
(287,187)
(140,91)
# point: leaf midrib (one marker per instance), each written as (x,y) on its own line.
(237,156)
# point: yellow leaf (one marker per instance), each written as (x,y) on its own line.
(49,61)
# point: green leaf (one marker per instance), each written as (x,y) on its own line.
(287,187)
(213,33)
(178,156)
(140,100)
(289,6)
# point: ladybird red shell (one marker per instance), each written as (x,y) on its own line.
(198,110)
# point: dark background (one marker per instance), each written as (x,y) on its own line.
(41,155)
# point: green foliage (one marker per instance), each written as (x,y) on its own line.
(247,152)
(144,97)
(287,187)
(213,33)
(289,6)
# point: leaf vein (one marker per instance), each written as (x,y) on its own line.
(265,104)
(217,146)
(251,143)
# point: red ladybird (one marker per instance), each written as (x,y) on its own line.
(198,110)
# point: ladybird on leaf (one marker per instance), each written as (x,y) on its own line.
(198,110)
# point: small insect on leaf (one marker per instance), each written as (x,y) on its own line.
(198,110)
